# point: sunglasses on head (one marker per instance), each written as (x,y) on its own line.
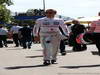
(49,12)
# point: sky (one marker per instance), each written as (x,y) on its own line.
(69,8)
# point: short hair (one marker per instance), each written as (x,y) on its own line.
(52,10)
(98,13)
(75,21)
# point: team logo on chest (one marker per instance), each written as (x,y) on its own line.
(46,23)
(55,23)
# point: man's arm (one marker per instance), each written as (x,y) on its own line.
(64,28)
(92,27)
(36,28)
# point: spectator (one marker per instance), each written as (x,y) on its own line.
(25,35)
(3,36)
(77,28)
(95,31)
(14,30)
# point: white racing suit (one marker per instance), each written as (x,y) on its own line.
(50,35)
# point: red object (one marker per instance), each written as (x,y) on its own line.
(79,38)
(10,35)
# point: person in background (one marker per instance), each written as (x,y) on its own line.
(14,30)
(95,31)
(77,29)
(64,42)
(62,47)
(50,35)
(3,36)
(25,35)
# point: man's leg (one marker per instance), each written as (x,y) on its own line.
(24,43)
(96,37)
(55,46)
(1,44)
(62,47)
(5,40)
(77,47)
(46,50)
(84,47)
(15,39)
(29,42)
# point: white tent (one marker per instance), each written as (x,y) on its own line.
(86,20)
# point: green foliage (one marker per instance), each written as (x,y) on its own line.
(29,12)
(5,14)
(35,12)
(6,2)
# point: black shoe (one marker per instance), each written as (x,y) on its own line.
(77,49)
(46,62)
(63,53)
(29,47)
(16,46)
(6,46)
(1,46)
(84,48)
(74,49)
(99,53)
(24,47)
(53,61)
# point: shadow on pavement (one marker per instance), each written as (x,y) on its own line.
(21,67)
(71,51)
(94,52)
(38,50)
(83,66)
(14,49)
(34,56)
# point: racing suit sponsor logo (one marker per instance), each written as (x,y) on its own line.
(46,23)
(55,23)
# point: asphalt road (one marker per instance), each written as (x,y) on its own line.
(18,61)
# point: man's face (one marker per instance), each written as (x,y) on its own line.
(50,14)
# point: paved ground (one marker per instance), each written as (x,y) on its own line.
(18,61)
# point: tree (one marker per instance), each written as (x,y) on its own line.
(5,14)
(35,12)
(30,12)
(6,2)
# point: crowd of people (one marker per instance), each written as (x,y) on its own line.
(53,33)
(21,35)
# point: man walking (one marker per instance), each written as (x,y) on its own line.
(50,35)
